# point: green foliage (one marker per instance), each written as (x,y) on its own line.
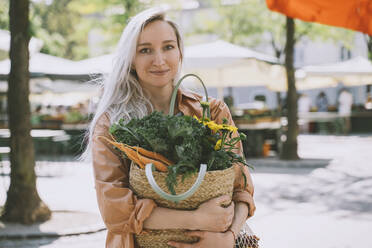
(182,139)
(64,25)
(111,15)
(4,23)
(275,24)
(4,14)
(62,28)
(169,136)
(74,116)
(233,23)
(251,23)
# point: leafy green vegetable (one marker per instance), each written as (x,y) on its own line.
(185,140)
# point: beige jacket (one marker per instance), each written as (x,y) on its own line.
(122,212)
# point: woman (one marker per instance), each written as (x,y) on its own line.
(149,59)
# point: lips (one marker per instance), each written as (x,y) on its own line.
(160,72)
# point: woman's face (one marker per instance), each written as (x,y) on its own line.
(157,55)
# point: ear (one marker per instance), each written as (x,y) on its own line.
(132,68)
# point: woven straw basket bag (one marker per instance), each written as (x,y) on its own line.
(191,192)
(215,183)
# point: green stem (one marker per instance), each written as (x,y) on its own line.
(203,115)
(224,134)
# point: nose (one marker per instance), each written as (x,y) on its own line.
(159,58)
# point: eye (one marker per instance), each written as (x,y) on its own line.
(145,50)
(168,47)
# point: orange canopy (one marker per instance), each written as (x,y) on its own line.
(351,14)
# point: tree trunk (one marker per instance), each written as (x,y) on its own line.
(23,204)
(289,149)
(369,46)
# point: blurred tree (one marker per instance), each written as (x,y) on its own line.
(62,28)
(4,23)
(23,204)
(368,39)
(107,18)
(232,22)
(233,25)
(250,23)
(65,25)
(289,148)
(274,24)
(4,15)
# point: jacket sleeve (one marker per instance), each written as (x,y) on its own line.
(243,192)
(121,211)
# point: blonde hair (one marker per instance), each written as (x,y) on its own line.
(122,96)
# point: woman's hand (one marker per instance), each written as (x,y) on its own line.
(211,216)
(208,240)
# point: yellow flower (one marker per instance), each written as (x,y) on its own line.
(229,128)
(204,104)
(199,120)
(214,126)
(218,145)
(205,121)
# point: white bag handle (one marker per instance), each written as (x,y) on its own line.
(175,198)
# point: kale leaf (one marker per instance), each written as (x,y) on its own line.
(181,139)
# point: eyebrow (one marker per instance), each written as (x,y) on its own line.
(149,44)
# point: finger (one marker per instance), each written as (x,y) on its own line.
(179,245)
(230,209)
(251,207)
(222,199)
(199,234)
(230,220)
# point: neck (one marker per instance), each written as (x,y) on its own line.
(160,98)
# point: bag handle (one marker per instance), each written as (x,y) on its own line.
(175,198)
(174,93)
(203,167)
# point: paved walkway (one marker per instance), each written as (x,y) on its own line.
(67,188)
(328,207)
(327,204)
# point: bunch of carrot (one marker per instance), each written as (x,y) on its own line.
(141,156)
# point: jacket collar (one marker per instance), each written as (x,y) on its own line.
(183,93)
(188,102)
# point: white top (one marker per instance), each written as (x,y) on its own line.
(304,104)
(345,101)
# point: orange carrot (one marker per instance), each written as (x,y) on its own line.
(142,151)
(158,165)
(138,158)
(135,155)
(120,146)
(131,154)
(153,155)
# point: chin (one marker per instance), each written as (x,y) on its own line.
(162,82)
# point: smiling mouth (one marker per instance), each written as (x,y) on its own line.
(160,72)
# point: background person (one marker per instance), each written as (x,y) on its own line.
(322,102)
(304,106)
(345,102)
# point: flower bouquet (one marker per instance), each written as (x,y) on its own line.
(178,161)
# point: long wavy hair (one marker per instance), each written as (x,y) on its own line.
(122,95)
